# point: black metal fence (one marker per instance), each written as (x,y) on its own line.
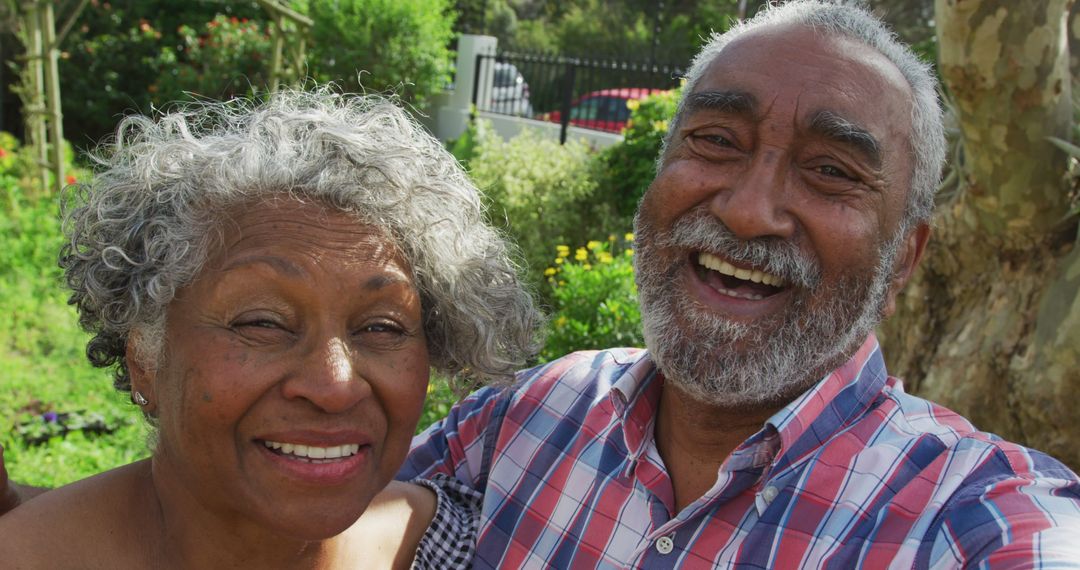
(587,93)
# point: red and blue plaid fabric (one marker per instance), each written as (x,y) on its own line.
(853,473)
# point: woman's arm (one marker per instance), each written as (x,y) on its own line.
(12,494)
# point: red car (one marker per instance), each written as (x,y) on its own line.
(603,110)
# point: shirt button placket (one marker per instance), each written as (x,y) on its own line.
(664,545)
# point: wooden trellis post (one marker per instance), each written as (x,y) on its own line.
(41,97)
(297,61)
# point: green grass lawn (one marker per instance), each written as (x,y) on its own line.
(43,368)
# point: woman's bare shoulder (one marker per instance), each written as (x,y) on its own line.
(393,524)
(80,525)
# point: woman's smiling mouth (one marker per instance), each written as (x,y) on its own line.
(311,453)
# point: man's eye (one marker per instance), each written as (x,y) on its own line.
(718,140)
(830,170)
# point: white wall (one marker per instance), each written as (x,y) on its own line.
(448,115)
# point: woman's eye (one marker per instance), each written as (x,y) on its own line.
(389,328)
(258,323)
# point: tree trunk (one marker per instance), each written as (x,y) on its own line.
(990,326)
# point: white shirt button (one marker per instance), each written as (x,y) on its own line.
(769,493)
(664,545)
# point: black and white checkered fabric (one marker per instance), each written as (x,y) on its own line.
(450,541)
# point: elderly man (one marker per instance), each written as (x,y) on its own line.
(760,428)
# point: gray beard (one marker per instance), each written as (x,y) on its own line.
(779,357)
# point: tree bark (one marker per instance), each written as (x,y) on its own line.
(990,325)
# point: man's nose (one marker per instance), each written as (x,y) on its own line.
(757,202)
(328,377)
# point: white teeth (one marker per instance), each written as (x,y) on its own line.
(714,263)
(313,452)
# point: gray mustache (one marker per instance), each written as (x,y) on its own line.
(700,230)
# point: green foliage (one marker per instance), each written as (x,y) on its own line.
(541,190)
(615,28)
(396,44)
(224,58)
(129,56)
(43,369)
(627,168)
(594,299)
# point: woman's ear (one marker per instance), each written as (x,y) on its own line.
(143,376)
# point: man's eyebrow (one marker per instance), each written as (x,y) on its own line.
(834,127)
(736,102)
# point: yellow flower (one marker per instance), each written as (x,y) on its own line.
(611,237)
(587,267)
(430,387)
(559,261)
(561,283)
(549,271)
(604,257)
(563,250)
(581,254)
(629,237)
(593,244)
(561,321)
(659,125)
(629,253)
(633,104)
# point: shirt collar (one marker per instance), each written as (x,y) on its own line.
(803,425)
(823,410)
(635,397)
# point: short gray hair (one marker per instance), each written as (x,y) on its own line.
(837,18)
(143,226)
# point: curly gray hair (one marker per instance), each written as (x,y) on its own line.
(849,20)
(143,227)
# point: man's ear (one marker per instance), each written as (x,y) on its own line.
(143,377)
(907,259)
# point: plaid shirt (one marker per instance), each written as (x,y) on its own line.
(853,473)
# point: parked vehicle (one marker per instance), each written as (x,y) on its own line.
(509,91)
(603,110)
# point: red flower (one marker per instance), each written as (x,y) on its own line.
(71,179)
(3,153)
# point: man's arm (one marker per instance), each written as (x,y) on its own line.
(455,446)
(13,494)
(1030,520)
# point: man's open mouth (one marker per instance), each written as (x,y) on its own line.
(738,282)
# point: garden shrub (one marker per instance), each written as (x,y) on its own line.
(627,168)
(541,191)
(128,56)
(593,298)
(399,45)
(224,58)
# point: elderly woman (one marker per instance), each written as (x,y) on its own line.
(272,286)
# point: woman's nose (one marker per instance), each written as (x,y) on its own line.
(328,378)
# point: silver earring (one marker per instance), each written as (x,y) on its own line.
(138,398)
